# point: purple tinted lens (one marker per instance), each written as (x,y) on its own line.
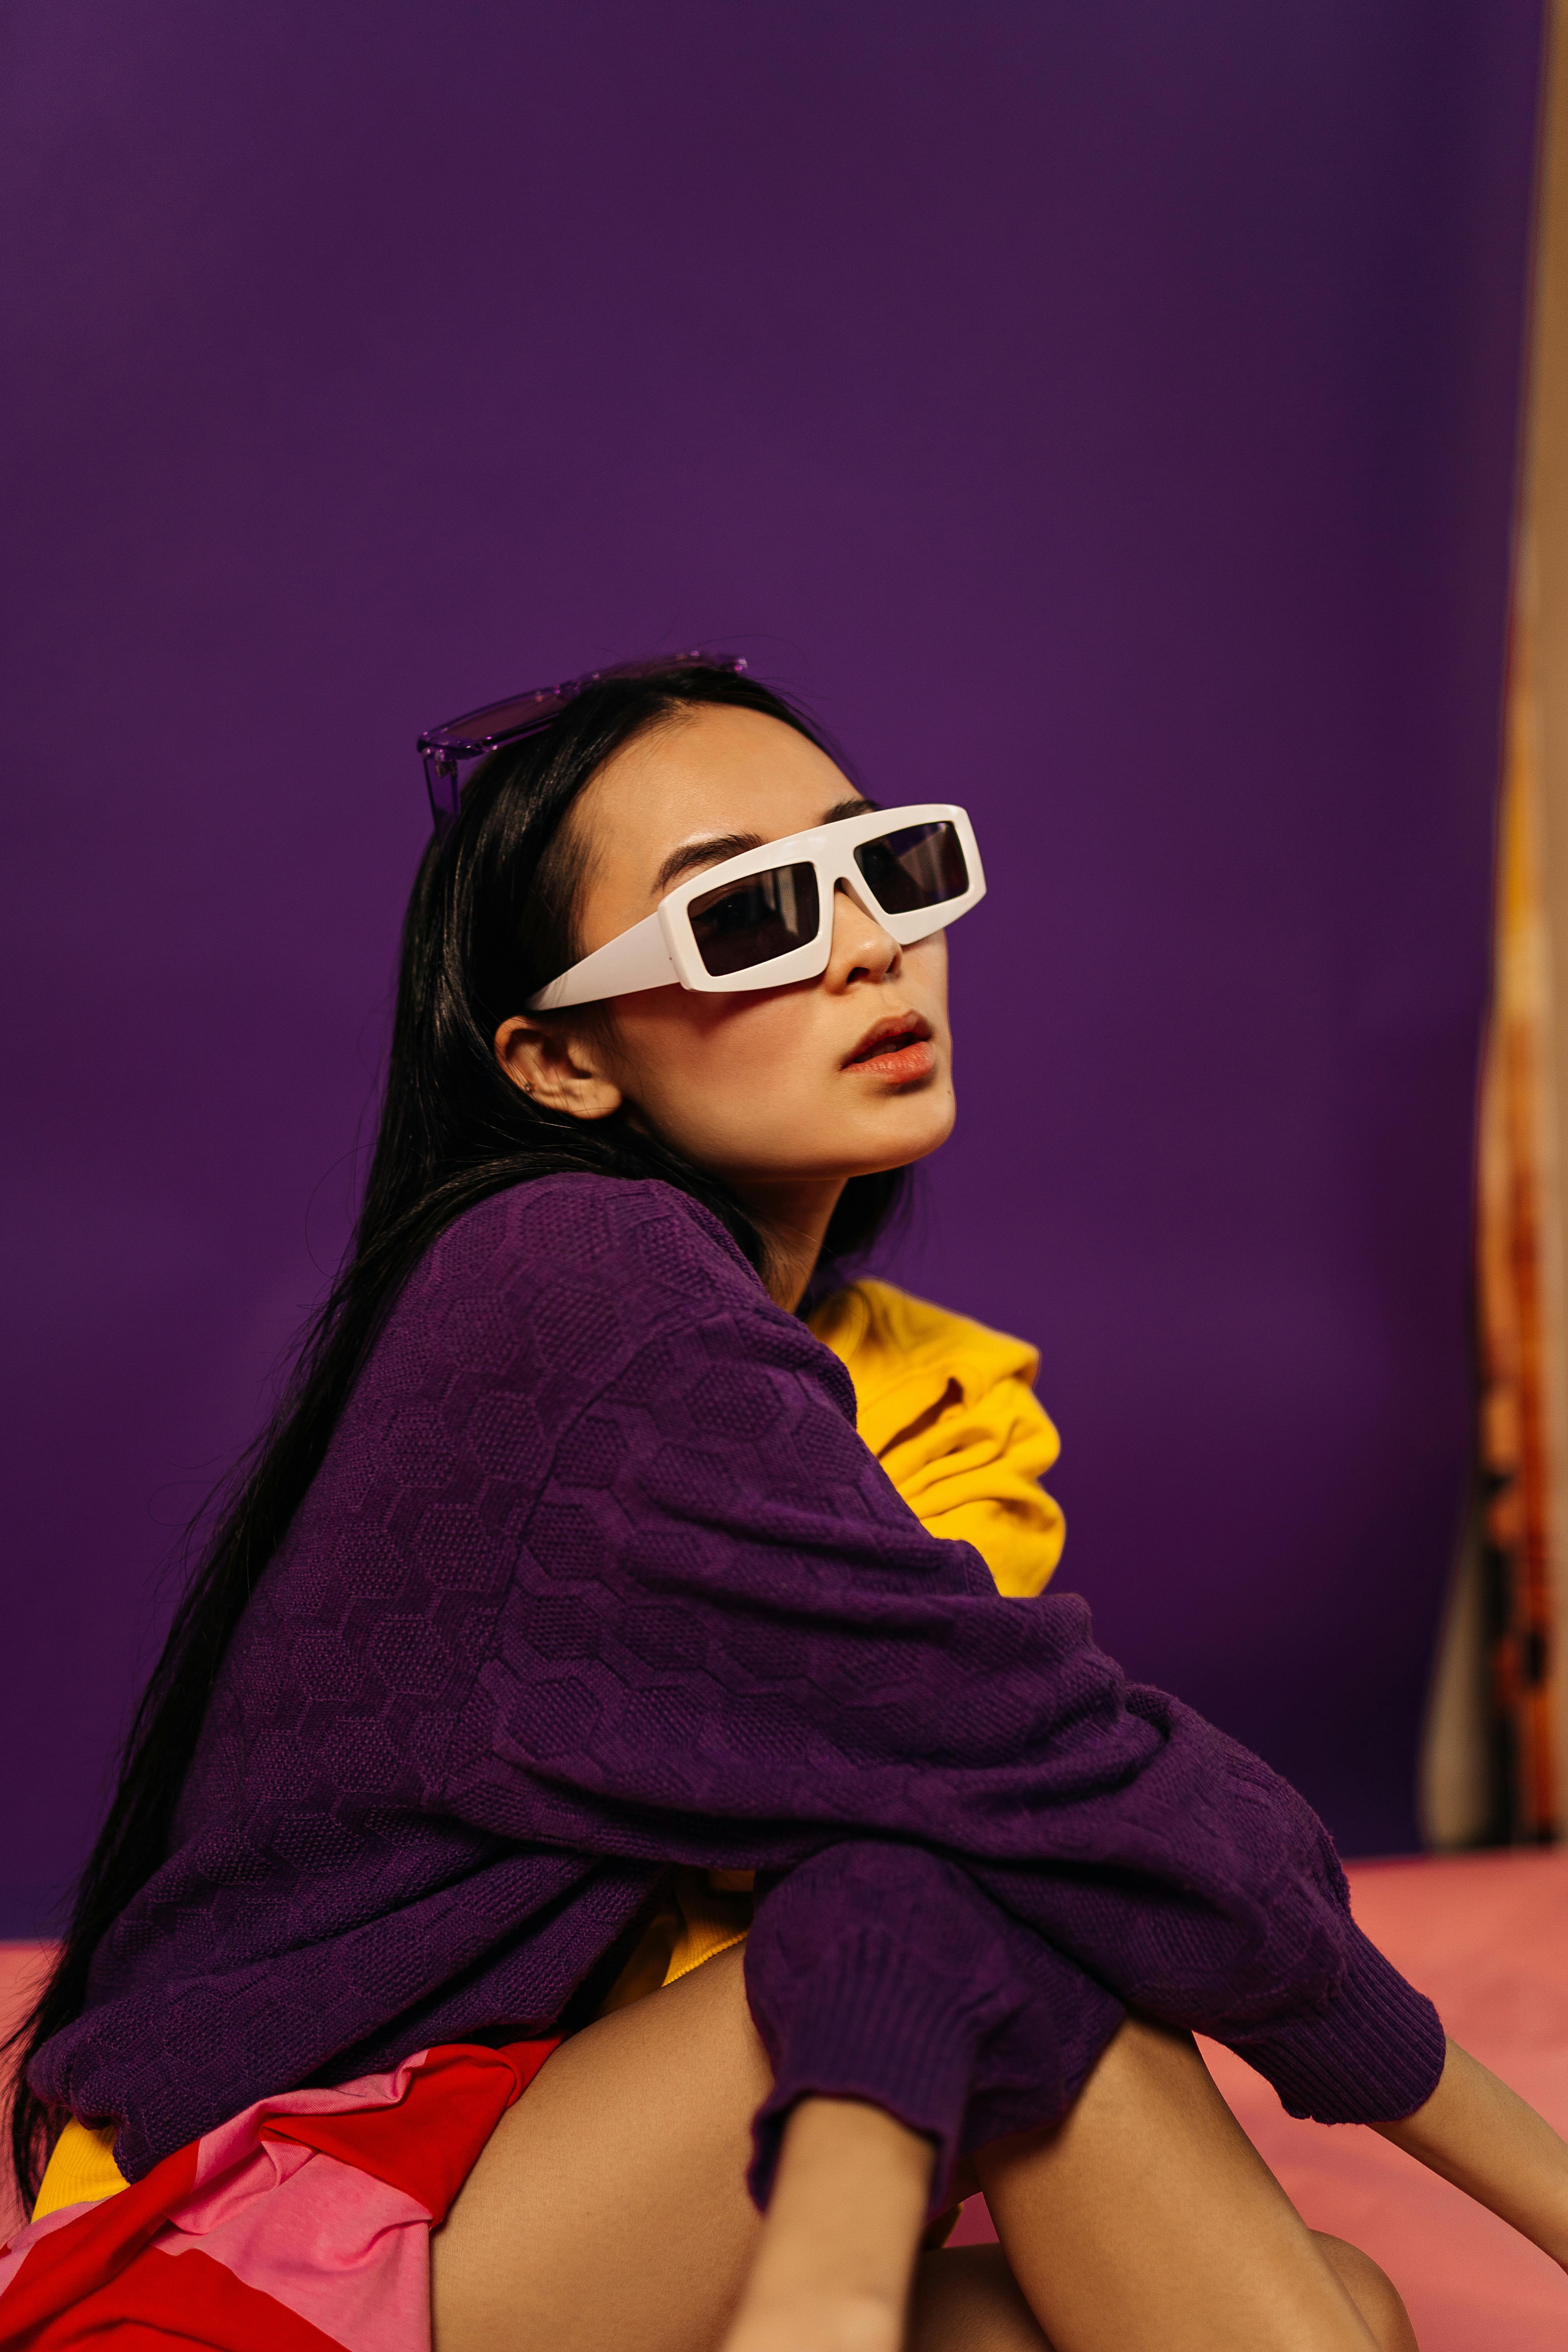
(481,730)
(743,924)
(919,866)
(445,749)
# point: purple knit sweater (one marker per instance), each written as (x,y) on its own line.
(597,1576)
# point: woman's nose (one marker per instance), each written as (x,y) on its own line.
(862,949)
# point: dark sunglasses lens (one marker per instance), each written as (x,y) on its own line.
(917,866)
(750,922)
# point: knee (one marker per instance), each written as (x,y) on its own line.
(967,2296)
(1372,2291)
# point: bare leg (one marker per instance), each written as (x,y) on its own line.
(971,2288)
(1148,2217)
(966,2299)
(610,2206)
(1372,2292)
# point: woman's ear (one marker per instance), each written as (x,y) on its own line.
(558,1070)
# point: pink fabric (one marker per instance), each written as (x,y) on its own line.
(309,2216)
(345,2251)
(15,2251)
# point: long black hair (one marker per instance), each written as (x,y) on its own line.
(491,920)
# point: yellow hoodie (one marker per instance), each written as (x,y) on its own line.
(950,1412)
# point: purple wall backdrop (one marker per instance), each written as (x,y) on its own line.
(1103,414)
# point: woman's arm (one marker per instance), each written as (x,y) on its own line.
(831,2273)
(1483,2137)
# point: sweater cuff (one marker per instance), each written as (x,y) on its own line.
(871,2022)
(1372,2055)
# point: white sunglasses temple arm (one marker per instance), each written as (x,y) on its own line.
(639,958)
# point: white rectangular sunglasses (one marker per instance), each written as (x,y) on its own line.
(765,919)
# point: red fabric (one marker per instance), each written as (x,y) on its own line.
(98,2277)
(74,2262)
(428,2143)
(167,2299)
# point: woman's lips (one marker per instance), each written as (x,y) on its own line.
(899,1049)
(914,1059)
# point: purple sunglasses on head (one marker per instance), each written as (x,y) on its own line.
(448,751)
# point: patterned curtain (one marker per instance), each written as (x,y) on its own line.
(1516,1197)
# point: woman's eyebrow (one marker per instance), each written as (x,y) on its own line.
(714,848)
(711,851)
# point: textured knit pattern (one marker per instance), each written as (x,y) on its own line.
(599,1577)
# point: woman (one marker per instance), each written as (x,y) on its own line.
(564,1597)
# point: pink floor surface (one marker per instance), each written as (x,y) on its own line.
(1487,1935)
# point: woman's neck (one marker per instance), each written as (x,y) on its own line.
(792,1220)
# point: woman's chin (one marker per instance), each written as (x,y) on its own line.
(910,1129)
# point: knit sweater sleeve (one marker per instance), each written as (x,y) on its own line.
(727,1642)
